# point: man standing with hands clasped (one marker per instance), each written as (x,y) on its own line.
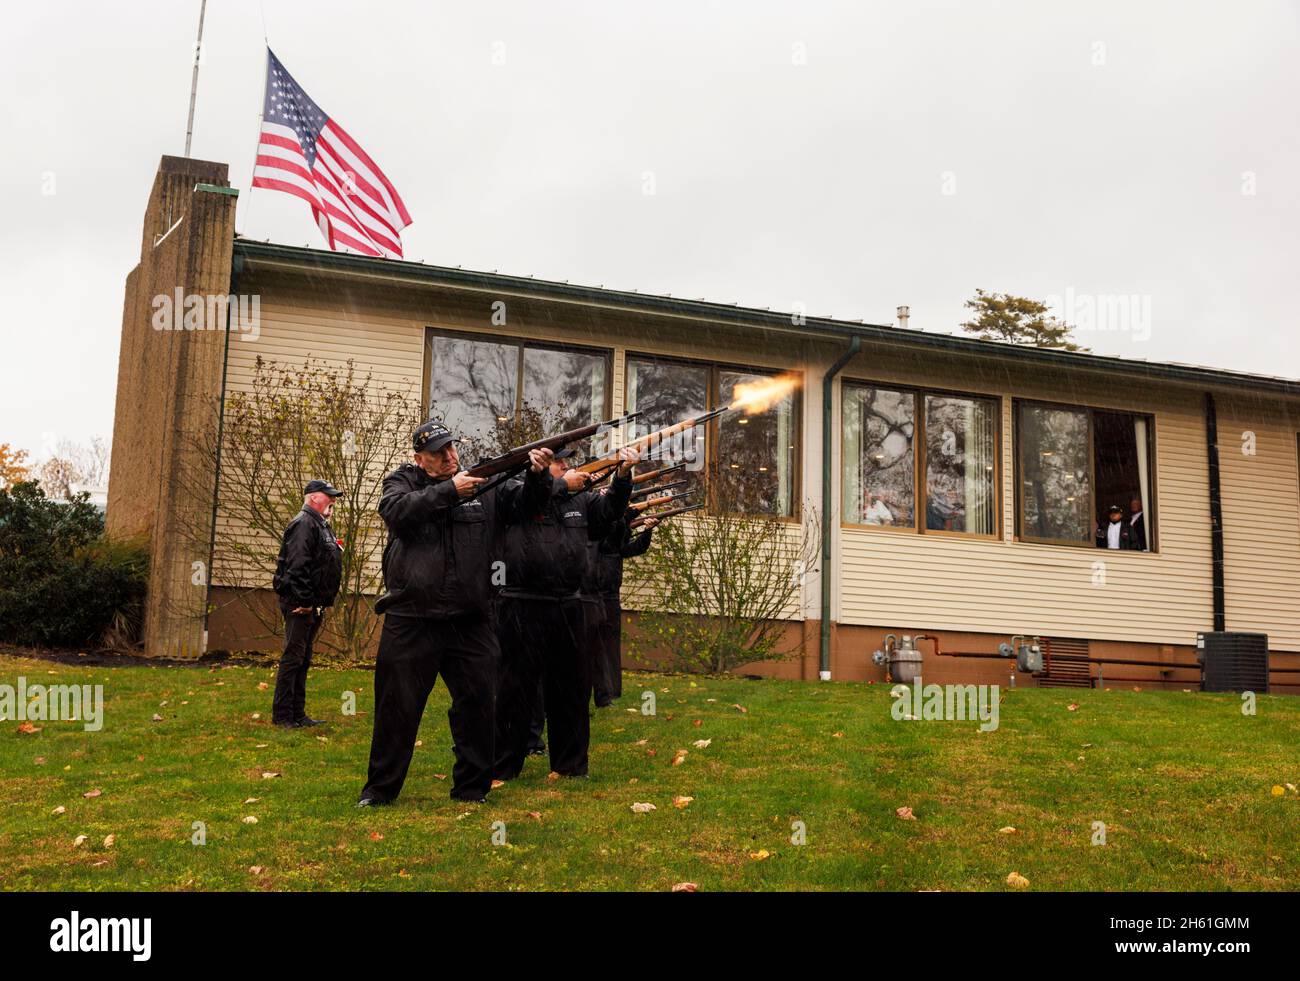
(442,526)
(307,575)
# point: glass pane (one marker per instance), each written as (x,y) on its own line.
(567,388)
(473,386)
(1055,494)
(666,392)
(879,466)
(758,451)
(961,464)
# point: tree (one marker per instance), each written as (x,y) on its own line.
(13,466)
(718,591)
(1017,320)
(292,425)
(73,466)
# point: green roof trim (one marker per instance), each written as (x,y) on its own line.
(247,250)
(217,189)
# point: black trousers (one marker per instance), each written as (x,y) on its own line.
(543,639)
(609,644)
(413,651)
(289,703)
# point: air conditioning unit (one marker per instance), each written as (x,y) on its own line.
(1233,661)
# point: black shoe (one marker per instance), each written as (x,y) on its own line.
(372,802)
(469,800)
(307,721)
(288,724)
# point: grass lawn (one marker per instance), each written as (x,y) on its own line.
(1184,783)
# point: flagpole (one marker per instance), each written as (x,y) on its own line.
(194,79)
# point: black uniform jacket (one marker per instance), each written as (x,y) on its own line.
(549,556)
(310,565)
(607,556)
(438,560)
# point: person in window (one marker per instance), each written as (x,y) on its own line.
(1137,524)
(1116,533)
(875,511)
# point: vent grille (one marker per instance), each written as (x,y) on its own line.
(1065,664)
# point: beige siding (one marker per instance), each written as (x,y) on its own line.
(1261,520)
(909,580)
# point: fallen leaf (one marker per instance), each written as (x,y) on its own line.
(419,743)
(697,723)
(1073,706)
(680,757)
(261,745)
(256,715)
(641,742)
(741,708)
(837,735)
(28,727)
(760,855)
(535,815)
(1278,791)
(270,774)
(1017,881)
(497,783)
(681,803)
(905,814)
(1008,830)
(92,793)
(156,718)
(642,808)
(1136,688)
(440,776)
(252,800)
(403,874)
(78,841)
(249,819)
(59,810)
(376,836)
(554,775)
(262,686)
(685,887)
(257,869)
(102,862)
(702,743)
(110,840)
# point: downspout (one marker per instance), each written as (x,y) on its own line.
(1216,512)
(855,344)
(236,266)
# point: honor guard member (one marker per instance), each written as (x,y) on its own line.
(543,621)
(442,529)
(308,571)
(607,585)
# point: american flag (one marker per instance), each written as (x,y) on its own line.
(305,153)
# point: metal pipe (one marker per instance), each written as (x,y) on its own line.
(1216,513)
(855,344)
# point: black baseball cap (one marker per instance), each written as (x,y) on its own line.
(321,487)
(431,437)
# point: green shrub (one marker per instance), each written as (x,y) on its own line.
(62,583)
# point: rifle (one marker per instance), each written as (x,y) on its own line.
(658,488)
(652,501)
(513,461)
(636,523)
(651,441)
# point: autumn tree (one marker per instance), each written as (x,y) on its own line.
(73,466)
(1017,320)
(13,466)
(718,590)
(292,424)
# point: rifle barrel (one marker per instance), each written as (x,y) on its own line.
(654,439)
(671,512)
(517,458)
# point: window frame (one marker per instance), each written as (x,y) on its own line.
(713,426)
(523,343)
(921,460)
(1153,540)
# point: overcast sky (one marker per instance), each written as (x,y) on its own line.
(848,156)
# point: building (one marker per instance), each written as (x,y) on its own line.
(963,477)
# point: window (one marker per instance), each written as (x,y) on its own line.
(477,384)
(1075,464)
(920,461)
(759,451)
